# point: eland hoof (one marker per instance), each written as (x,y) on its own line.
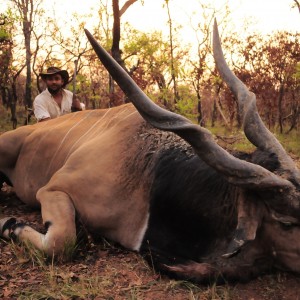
(5,225)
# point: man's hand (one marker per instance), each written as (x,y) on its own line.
(75,104)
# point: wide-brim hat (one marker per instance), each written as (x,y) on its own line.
(53,70)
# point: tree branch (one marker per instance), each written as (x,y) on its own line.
(297,4)
(126,5)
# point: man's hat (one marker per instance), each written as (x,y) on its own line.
(53,70)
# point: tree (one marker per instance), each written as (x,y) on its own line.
(276,70)
(71,47)
(115,49)
(8,73)
(173,68)
(151,52)
(28,10)
(296,4)
(5,57)
(202,76)
(267,64)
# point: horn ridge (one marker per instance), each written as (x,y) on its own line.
(237,171)
(255,130)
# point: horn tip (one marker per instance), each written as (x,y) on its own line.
(216,31)
(87,33)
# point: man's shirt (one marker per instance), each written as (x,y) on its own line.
(45,106)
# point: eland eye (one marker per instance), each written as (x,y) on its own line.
(286,224)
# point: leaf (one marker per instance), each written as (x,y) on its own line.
(7,292)
(67,276)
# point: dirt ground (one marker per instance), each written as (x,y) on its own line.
(103,271)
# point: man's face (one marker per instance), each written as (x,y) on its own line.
(54,83)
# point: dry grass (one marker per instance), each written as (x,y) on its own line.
(101,270)
(114,273)
(104,273)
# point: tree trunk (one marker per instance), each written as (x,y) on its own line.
(214,113)
(294,114)
(200,120)
(172,65)
(297,4)
(280,99)
(27,36)
(4,96)
(74,76)
(12,100)
(219,108)
(115,49)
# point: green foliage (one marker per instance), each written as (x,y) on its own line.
(232,139)
(5,123)
(216,80)
(297,72)
(290,141)
(235,139)
(4,35)
(7,20)
(187,103)
(5,118)
(149,48)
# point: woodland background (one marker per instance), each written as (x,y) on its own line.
(173,75)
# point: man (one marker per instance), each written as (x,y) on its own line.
(55,101)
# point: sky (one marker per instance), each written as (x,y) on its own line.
(267,15)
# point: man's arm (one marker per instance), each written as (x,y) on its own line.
(45,119)
(75,104)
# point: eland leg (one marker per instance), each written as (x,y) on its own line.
(58,215)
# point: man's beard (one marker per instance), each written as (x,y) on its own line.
(54,92)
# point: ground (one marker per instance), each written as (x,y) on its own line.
(100,270)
